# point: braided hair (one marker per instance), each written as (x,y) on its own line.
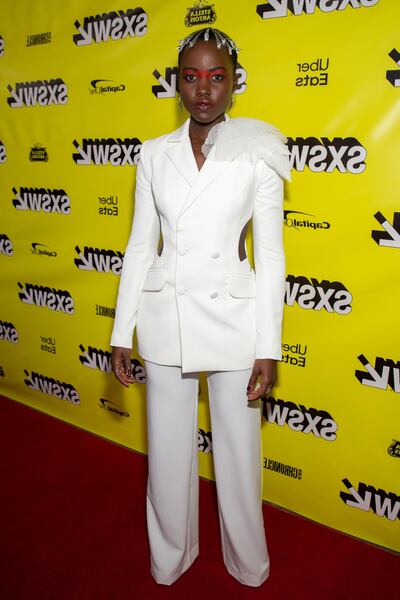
(221,39)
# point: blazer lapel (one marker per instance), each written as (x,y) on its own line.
(180,152)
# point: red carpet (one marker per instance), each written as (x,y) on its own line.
(73,528)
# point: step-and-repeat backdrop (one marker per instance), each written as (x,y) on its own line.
(82,85)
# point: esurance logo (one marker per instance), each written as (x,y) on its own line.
(38,93)
(346,155)
(6,246)
(99,259)
(46,297)
(391,236)
(311,294)
(367,497)
(3,155)
(116,152)
(385,374)
(281,8)
(115,25)
(8,332)
(299,418)
(42,199)
(52,387)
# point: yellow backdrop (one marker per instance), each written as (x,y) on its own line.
(81,87)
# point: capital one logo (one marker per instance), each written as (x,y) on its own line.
(168,84)
(393,76)
(40,93)
(346,155)
(281,8)
(383,375)
(115,25)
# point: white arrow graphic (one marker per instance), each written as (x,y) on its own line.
(275,8)
(86,157)
(359,501)
(17,98)
(86,359)
(86,264)
(86,36)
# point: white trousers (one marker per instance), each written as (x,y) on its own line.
(173,483)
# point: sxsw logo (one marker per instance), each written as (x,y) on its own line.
(117,152)
(281,8)
(41,93)
(95,358)
(46,297)
(311,294)
(98,259)
(8,332)
(115,25)
(346,155)
(3,155)
(52,387)
(299,418)
(367,497)
(385,374)
(42,199)
(391,236)
(394,76)
(6,246)
(204,441)
(168,84)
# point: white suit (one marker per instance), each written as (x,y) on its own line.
(197,304)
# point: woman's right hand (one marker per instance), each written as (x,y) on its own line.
(121,365)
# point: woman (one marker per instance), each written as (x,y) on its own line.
(199,306)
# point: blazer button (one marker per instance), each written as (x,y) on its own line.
(182,251)
(214,254)
(214,295)
(180,290)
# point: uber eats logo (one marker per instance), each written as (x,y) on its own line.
(38,93)
(116,152)
(46,297)
(345,155)
(311,294)
(52,387)
(99,259)
(281,8)
(115,25)
(42,199)
(299,418)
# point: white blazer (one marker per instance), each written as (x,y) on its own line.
(196,302)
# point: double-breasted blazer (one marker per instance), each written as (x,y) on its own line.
(186,282)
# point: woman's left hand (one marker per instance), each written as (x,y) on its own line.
(264,370)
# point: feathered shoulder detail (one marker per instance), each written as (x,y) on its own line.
(249,139)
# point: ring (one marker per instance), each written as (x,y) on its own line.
(117,371)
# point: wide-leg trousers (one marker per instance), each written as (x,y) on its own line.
(173,483)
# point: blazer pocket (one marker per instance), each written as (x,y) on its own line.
(155,280)
(242,286)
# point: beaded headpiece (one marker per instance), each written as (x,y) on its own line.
(220,37)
